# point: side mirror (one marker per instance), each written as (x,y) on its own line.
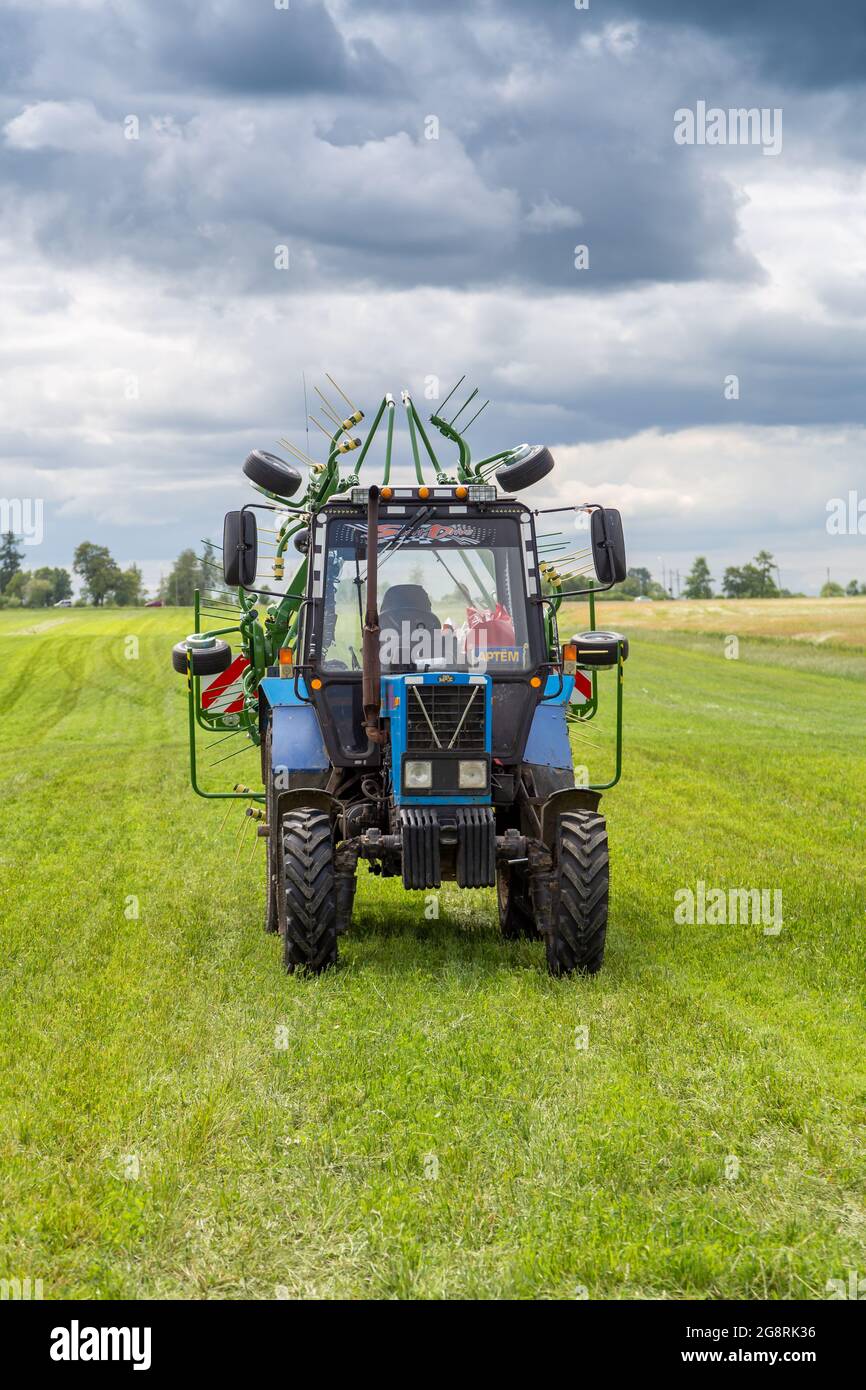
(608,545)
(240,549)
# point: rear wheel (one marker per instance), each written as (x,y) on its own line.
(515,911)
(308,882)
(575,939)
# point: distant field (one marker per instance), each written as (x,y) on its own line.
(180,1119)
(822,622)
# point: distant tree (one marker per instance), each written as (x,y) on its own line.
(735,582)
(211,572)
(636,583)
(699,580)
(752,580)
(97,568)
(59,582)
(128,589)
(10,559)
(832,590)
(180,586)
(764,563)
(13,595)
(37,592)
(854,588)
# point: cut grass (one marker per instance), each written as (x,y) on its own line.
(817,622)
(432,1128)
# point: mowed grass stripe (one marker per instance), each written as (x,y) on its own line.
(435,1048)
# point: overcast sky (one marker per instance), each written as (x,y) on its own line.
(149,341)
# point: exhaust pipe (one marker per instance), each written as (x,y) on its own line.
(371,670)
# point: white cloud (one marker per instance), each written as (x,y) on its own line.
(73,126)
(549,214)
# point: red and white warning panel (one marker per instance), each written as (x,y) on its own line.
(582,691)
(224,692)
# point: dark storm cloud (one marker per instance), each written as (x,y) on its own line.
(182,46)
(308,127)
(535,156)
(250,46)
(811,43)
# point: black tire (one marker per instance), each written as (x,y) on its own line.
(308,881)
(515,910)
(524,471)
(599,648)
(575,939)
(272,473)
(206,661)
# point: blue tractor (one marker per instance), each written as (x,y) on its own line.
(410,693)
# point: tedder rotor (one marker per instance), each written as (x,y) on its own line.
(408,689)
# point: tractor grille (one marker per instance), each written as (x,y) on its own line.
(445,706)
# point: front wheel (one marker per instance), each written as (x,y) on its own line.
(578,926)
(308,882)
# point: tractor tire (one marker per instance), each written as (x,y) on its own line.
(575,938)
(272,473)
(205,661)
(308,881)
(534,465)
(599,648)
(516,922)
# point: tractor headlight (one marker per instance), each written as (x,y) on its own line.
(417,774)
(472,775)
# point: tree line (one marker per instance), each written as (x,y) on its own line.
(755,579)
(103,581)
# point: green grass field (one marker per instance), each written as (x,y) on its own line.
(432,1127)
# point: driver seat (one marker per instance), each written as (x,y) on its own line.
(409,605)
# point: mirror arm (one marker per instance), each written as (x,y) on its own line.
(594,589)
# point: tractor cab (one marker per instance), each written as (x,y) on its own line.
(458,598)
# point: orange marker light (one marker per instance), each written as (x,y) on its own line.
(569,658)
(286,656)
(535,682)
(461,492)
(423,492)
(316,683)
(386,492)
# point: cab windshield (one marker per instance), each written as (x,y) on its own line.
(451,595)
